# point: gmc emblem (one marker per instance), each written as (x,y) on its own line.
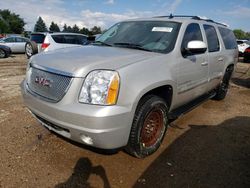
(43,81)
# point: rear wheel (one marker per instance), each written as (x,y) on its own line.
(149,126)
(2,53)
(224,85)
(31,49)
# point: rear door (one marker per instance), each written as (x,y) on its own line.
(20,44)
(192,68)
(216,60)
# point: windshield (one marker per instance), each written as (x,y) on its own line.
(155,36)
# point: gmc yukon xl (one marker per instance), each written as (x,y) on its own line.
(125,89)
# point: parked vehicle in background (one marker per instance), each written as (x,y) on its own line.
(40,42)
(16,43)
(137,77)
(2,36)
(246,55)
(5,51)
(242,46)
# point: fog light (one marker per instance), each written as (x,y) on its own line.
(86,139)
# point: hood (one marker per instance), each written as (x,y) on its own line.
(79,61)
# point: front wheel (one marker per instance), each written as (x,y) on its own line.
(2,53)
(149,126)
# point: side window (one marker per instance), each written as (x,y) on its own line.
(212,38)
(58,38)
(228,38)
(193,32)
(12,39)
(69,39)
(19,39)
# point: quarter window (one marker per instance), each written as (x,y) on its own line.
(228,38)
(212,38)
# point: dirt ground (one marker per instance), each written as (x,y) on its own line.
(207,147)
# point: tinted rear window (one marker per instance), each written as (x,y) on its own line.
(212,38)
(38,38)
(228,38)
(70,39)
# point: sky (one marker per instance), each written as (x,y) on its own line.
(104,13)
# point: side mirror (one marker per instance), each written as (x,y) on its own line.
(195,47)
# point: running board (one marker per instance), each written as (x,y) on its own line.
(190,106)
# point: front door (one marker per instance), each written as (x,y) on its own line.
(192,75)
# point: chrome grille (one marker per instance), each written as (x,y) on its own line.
(49,86)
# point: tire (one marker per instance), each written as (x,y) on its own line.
(3,54)
(224,85)
(148,128)
(31,49)
(246,59)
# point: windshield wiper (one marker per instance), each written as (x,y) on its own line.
(131,45)
(101,43)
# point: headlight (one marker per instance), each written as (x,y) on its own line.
(100,87)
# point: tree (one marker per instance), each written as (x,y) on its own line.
(69,29)
(75,29)
(40,26)
(248,35)
(85,31)
(239,34)
(11,22)
(54,27)
(65,27)
(96,30)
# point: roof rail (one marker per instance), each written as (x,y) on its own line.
(191,17)
(179,16)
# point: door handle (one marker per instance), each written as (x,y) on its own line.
(220,59)
(205,63)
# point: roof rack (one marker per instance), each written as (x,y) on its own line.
(191,17)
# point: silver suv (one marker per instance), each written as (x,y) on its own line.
(125,89)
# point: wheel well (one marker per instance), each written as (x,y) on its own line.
(230,68)
(165,92)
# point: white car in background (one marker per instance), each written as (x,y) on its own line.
(40,42)
(15,43)
(242,46)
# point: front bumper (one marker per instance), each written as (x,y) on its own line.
(105,127)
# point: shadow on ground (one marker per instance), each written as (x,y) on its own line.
(204,156)
(82,171)
(242,82)
(241,76)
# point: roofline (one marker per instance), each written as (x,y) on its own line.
(51,32)
(171,16)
